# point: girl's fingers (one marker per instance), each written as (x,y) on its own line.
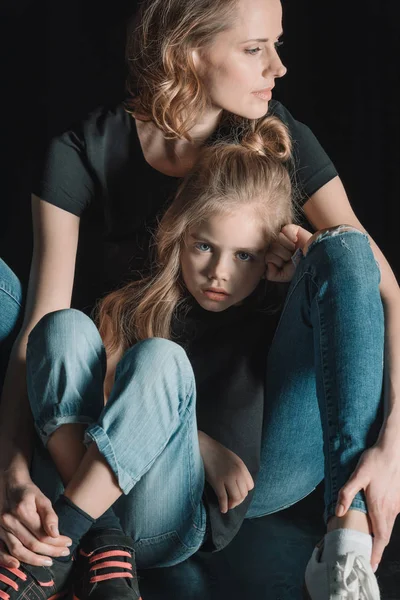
(249,480)
(222,499)
(242,485)
(235,494)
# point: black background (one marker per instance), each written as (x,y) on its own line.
(60,59)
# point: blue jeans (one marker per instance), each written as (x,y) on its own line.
(323,402)
(10,313)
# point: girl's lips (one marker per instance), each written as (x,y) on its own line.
(217,296)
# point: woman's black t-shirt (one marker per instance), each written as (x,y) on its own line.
(97,171)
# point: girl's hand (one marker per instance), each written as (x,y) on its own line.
(279,256)
(28,524)
(225,472)
(378,474)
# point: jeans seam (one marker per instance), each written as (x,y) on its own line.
(6,291)
(327,402)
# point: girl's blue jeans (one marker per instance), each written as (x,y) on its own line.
(323,403)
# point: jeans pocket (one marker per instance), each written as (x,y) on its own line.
(165,550)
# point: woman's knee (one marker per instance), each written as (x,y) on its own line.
(328,232)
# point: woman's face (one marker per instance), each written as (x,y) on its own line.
(240,67)
(223,259)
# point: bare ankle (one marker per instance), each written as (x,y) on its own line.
(353,519)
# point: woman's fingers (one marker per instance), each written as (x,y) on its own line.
(279,250)
(48,517)
(45,546)
(6,558)
(17,550)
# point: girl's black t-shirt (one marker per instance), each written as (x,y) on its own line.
(97,171)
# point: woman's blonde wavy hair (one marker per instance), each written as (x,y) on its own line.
(162,82)
(227,176)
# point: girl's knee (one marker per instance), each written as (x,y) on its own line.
(159,352)
(62,328)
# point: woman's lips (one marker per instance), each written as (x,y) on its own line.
(263,94)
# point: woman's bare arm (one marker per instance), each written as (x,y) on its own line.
(50,288)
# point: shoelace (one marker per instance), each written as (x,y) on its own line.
(108,563)
(10,582)
(356,581)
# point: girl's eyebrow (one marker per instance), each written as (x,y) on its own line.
(202,238)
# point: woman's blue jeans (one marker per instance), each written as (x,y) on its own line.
(322,402)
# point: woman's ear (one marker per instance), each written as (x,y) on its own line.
(198,61)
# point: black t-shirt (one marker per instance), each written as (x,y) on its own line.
(97,171)
(228,353)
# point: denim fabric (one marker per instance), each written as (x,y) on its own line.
(324,375)
(10,313)
(322,409)
(147,431)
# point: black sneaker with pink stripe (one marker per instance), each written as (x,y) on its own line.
(38,583)
(105,567)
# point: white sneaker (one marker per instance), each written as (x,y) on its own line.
(350,578)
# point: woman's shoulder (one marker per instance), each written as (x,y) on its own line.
(105,120)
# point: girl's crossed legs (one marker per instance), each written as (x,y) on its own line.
(325,366)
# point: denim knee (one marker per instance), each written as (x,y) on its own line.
(342,249)
(152,397)
(66,365)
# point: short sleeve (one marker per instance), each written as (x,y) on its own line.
(312,167)
(64,178)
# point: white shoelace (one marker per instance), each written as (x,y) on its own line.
(355,580)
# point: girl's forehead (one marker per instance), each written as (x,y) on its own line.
(240,228)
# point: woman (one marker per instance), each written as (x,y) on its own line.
(113,154)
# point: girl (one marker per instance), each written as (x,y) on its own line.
(192,65)
(207,292)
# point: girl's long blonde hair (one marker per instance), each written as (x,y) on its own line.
(228,174)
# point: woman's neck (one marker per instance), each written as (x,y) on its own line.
(175,157)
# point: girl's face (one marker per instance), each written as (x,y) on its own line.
(240,67)
(223,259)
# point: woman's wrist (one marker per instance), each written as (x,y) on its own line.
(16,468)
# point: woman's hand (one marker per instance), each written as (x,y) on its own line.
(28,524)
(279,256)
(225,472)
(378,474)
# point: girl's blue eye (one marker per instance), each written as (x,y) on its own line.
(244,256)
(253,51)
(278,44)
(203,247)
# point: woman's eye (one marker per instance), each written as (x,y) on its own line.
(278,44)
(202,246)
(253,51)
(244,256)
